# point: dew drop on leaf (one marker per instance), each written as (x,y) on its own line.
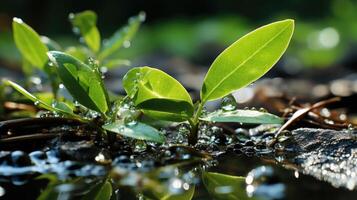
(126,44)
(263,110)
(228,103)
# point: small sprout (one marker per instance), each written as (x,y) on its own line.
(150,92)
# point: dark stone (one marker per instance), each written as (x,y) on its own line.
(80,151)
(249,143)
(328,155)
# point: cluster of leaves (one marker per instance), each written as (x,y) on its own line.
(34,47)
(150,91)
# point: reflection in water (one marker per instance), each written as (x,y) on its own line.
(185,180)
(261,183)
(2,191)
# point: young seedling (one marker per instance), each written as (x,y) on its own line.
(34,47)
(79,72)
(160,96)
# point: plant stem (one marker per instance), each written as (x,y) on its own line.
(192,138)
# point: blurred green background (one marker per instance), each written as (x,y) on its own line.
(196,31)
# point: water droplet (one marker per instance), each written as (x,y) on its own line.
(241,131)
(142,16)
(185,186)
(176,185)
(228,103)
(76,30)
(18,20)
(36,103)
(2,191)
(351,127)
(130,121)
(71,16)
(140,146)
(121,129)
(325,112)
(54,103)
(103,69)
(328,121)
(343,117)
(184,129)
(263,110)
(279,147)
(126,44)
(261,182)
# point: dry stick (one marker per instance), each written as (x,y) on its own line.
(18,106)
(302,112)
(321,120)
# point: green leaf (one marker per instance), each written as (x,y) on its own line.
(27,68)
(233,187)
(102,191)
(86,22)
(122,36)
(158,94)
(83,82)
(243,116)
(53,77)
(29,43)
(38,102)
(135,130)
(247,59)
(167,195)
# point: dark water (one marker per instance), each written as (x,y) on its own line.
(229,176)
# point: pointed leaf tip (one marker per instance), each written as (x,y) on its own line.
(247,59)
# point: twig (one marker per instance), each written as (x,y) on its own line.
(303,111)
(29,137)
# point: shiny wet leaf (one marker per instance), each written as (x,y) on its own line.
(158,94)
(29,43)
(86,22)
(243,116)
(225,187)
(83,82)
(247,59)
(122,37)
(135,130)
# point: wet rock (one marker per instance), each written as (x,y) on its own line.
(328,155)
(80,151)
